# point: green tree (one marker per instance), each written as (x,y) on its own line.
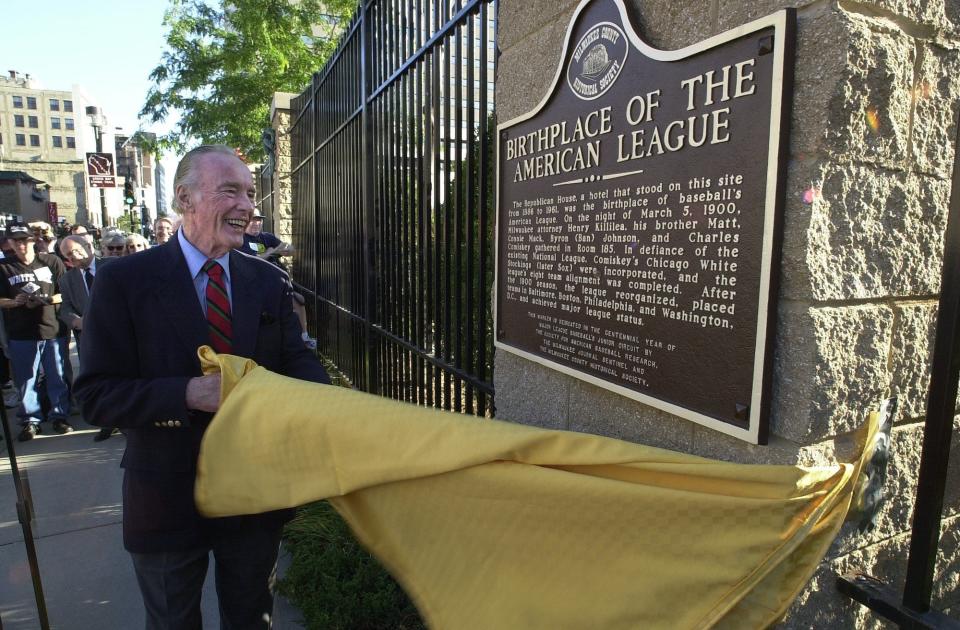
(224,62)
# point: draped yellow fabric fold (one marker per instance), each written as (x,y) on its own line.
(489,524)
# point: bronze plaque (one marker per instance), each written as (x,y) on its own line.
(638,217)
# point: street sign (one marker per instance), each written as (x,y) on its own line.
(100,170)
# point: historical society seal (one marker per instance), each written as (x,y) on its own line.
(597,61)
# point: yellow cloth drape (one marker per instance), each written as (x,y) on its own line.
(489,524)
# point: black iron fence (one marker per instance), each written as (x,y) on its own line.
(392,207)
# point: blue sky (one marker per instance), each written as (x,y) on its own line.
(108,47)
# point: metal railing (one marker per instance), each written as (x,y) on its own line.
(912,608)
(393,204)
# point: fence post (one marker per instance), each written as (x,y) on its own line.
(941,403)
(369,226)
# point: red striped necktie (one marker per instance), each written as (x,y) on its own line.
(218,309)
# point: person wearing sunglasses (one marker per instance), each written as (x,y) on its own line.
(113,245)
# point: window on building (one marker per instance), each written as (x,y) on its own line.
(57,142)
(18,120)
(69,123)
(21,140)
(54,122)
(68,106)
(71,142)
(34,140)
(54,104)
(18,101)
(33,122)
(31,102)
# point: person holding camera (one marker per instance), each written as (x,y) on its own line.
(28,299)
(46,238)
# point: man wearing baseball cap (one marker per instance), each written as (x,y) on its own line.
(29,289)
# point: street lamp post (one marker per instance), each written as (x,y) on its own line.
(96,121)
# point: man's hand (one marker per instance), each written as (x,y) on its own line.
(203,393)
(20,299)
(77,323)
(34,302)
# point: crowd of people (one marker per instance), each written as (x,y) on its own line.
(50,274)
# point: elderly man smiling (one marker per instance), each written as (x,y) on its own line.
(139,370)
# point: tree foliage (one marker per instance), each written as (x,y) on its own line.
(223,63)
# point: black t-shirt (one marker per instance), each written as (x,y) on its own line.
(31,323)
(256,245)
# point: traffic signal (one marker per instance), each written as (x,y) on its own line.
(129,198)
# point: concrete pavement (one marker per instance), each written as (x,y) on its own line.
(87,578)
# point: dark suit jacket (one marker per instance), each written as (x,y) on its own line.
(73,290)
(139,348)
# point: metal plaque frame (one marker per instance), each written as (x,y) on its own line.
(754,427)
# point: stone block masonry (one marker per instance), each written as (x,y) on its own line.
(280,121)
(875,104)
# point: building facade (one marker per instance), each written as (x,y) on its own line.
(23,198)
(47,134)
(35,122)
(40,135)
(137,164)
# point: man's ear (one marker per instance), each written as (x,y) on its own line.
(183,197)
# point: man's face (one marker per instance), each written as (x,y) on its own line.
(135,246)
(163,231)
(87,236)
(24,250)
(217,209)
(114,249)
(75,254)
(255,226)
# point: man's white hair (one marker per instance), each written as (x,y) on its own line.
(186,174)
(76,238)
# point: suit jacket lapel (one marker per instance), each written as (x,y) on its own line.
(177,297)
(247,302)
(78,289)
(68,287)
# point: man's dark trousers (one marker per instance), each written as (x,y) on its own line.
(141,332)
(171,582)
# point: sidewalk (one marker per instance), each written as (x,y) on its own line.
(87,577)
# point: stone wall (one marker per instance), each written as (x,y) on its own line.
(66,181)
(875,103)
(280,120)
